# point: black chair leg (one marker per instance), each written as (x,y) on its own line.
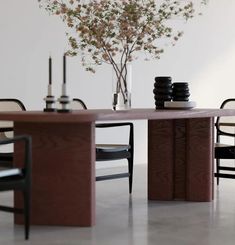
(217,170)
(26,213)
(130,169)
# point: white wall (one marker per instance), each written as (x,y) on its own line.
(205,57)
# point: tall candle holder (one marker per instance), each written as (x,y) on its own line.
(50,100)
(64,99)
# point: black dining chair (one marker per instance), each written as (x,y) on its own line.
(6,128)
(110,152)
(19,179)
(225,130)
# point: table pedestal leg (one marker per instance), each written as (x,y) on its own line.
(180,159)
(63,173)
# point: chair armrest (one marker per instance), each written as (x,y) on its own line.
(25,138)
(120,124)
(27,150)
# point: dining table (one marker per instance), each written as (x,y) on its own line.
(180,158)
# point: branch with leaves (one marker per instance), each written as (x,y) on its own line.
(113,32)
(117,31)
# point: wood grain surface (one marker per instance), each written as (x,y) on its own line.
(63,173)
(180,159)
(200,156)
(160,160)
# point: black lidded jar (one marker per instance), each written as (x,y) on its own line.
(162,91)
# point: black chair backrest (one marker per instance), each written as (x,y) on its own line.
(8,104)
(226,130)
(78,104)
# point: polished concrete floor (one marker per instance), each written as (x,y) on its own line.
(124,219)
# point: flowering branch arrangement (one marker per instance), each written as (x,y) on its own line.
(115,31)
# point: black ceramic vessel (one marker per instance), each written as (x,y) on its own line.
(162,91)
(180,91)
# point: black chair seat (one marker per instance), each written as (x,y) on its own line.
(6,159)
(9,183)
(8,156)
(223,151)
(114,152)
(101,156)
(111,147)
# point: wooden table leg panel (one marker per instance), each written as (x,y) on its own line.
(199,159)
(160,159)
(63,174)
(180,159)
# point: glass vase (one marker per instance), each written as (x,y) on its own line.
(121,79)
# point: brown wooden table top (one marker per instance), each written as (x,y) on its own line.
(108,114)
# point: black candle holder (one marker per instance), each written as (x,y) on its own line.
(162,91)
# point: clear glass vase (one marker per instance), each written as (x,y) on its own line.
(122,79)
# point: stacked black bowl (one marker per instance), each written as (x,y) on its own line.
(180,91)
(162,91)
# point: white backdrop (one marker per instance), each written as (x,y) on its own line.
(205,57)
